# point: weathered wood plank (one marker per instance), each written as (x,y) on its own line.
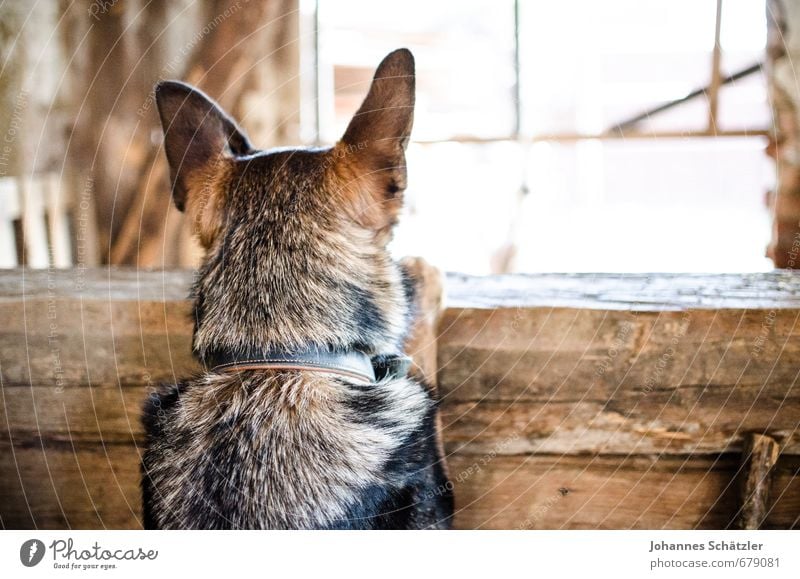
(568,354)
(629,291)
(544,492)
(103,285)
(638,292)
(61,486)
(706,421)
(82,415)
(72,486)
(74,342)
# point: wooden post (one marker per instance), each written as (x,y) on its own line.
(783,22)
(34,230)
(57,206)
(9,211)
(759,455)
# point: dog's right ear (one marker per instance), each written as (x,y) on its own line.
(200,141)
(371,154)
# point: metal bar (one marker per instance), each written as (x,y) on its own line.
(317,104)
(716,57)
(752,69)
(517,85)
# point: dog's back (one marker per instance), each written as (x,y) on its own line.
(296,259)
(287,451)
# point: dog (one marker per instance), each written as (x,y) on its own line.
(306,417)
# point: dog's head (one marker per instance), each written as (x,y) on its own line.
(295,239)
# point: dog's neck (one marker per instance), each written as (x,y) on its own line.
(244,310)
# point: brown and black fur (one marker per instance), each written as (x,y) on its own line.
(296,256)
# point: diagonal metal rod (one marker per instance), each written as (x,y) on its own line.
(628,123)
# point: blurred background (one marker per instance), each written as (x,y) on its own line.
(617,136)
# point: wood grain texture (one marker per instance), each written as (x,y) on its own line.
(711,424)
(609,492)
(75,328)
(51,485)
(618,390)
(615,381)
(759,455)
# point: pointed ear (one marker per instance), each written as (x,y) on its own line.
(200,140)
(373,146)
(386,116)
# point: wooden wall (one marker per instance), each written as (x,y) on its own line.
(569,401)
(783,50)
(76,100)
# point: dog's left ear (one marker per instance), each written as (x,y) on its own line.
(200,141)
(373,146)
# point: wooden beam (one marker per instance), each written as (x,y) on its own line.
(608,492)
(716,74)
(59,485)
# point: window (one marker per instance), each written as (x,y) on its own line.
(512,167)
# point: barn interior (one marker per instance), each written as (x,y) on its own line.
(612,188)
